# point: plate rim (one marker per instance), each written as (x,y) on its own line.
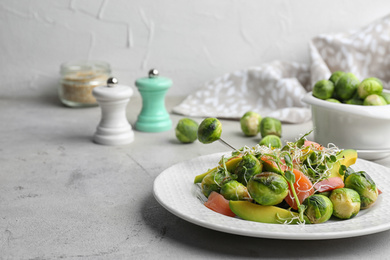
(266,233)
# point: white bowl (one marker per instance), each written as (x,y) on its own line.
(364,128)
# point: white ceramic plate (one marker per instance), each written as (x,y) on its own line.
(174,190)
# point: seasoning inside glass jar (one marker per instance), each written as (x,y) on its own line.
(78,78)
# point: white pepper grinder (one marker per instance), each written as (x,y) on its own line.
(114,128)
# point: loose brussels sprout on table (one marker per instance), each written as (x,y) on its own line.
(365,187)
(186,130)
(209,130)
(268,188)
(270,126)
(346,203)
(271,141)
(250,123)
(319,208)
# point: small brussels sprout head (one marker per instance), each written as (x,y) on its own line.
(270,126)
(346,203)
(272,141)
(234,190)
(323,89)
(369,86)
(268,188)
(348,172)
(374,100)
(250,123)
(335,76)
(247,167)
(210,130)
(319,208)
(346,86)
(355,101)
(386,96)
(333,100)
(186,130)
(365,186)
(213,182)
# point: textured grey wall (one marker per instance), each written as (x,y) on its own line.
(189,41)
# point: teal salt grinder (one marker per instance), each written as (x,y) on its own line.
(154,116)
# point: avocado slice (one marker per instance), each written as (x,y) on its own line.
(265,214)
(231,164)
(346,157)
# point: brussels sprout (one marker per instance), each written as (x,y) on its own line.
(323,89)
(270,126)
(346,203)
(268,188)
(369,86)
(386,96)
(333,100)
(348,172)
(346,86)
(247,167)
(374,100)
(271,141)
(186,130)
(355,100)
(250,123)
(234,190)
(319,208)
(209,130)
(365,186)
(325,193)
(335,76)
(213,181)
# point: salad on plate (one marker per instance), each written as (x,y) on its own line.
(302,182)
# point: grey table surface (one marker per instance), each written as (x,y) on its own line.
(64,197)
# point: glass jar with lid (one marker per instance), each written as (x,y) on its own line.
(78,78)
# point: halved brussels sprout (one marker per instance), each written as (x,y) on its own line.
(270,126)
(369,86)
(247,167)
(268,188)
(346,203)
(213,181)
(186,130)
(234,190)
(271,141)
(250,123)
(323,89)
(365,186)
(210,130)
(374,100)
(319,208)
